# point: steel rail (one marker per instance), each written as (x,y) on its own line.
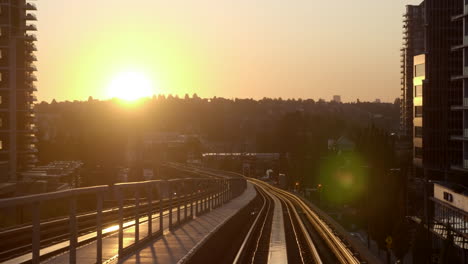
(243,248)
(340,250)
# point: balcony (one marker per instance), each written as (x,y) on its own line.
(30,7)
(31,27)
(30,37)
(31,57)
(31,77)
(31,68)
(29,86)
(30,17)
(463,137)
(30,46)
(463,167)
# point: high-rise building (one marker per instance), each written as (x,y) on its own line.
(438,92)
(460,107)
(439,81)
(17,128)
(337,98)
(413,44)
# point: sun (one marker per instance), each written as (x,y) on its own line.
(130,86)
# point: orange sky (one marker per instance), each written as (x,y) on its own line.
(230,48)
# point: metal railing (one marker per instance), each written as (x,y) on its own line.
(193,196)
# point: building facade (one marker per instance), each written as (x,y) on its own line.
(460,107)
(437,89)
(413,44)
(438,125)
(417,130)
(17,128)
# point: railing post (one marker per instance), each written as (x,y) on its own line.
(210,205)
(150,210)
(179,201)
(73,230)
(203,200)
(197,184)
(99,228)
(191,198)
(185,200)
(161,208)
(36,235)
(219,192)
(170,204)
(137,214)
(119,198)
(224,191)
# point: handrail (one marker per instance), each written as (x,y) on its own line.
(35,198)
(215,192)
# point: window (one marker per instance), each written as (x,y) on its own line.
(418,90)
(1,145)
(1,100)
(448,197)
(418,152)
(420,70)
(418,111)
(418,132)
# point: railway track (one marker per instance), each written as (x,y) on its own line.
(308,239)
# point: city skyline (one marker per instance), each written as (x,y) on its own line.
(221,48)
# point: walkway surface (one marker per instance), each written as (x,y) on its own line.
(277,252)
(173,246)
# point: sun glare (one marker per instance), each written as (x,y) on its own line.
(130,86)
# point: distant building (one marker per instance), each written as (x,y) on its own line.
(17,128)
(341,145)
(337,98)
(413,44)
(378,101)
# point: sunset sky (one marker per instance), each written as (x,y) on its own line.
(229,48)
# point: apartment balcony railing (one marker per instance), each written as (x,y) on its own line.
(31,57)
(30,17)
(30,37)
(30,46)
(31,68)
(31,77)
(30,7)
(31,27)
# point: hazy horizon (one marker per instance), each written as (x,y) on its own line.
(242,49)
